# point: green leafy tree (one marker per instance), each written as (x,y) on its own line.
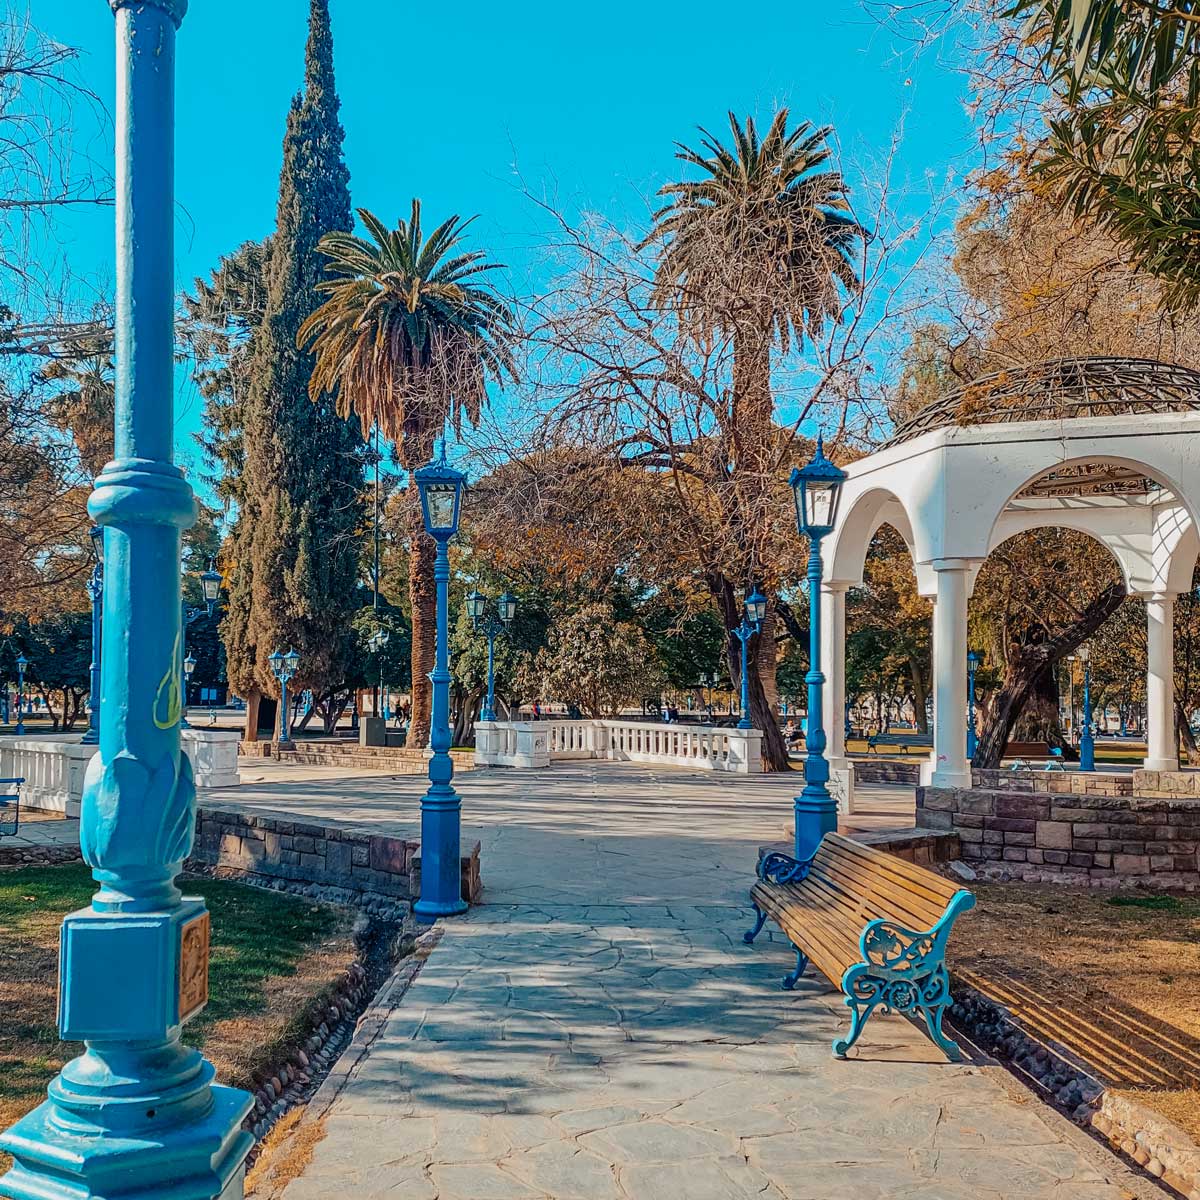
(596,662)
(294,553)
(58,649)
(408,337)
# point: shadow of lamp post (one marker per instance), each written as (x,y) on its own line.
(817,489)
(491,619)
(1087,742)
(755,609)
(441,488)
(138,1113)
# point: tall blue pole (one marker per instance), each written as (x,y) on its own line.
(972,736)
(96,591)
(489,711)
(441,871)
(1087,743)
(137,1114)
(20,699)
(814,810)
(744,632)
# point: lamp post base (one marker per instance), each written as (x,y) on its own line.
(199,1159)
(815,814)
(441,856)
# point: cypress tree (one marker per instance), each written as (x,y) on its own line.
(297,541)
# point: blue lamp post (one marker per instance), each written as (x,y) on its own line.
(1087,743)
(283,667)
(137,1114)
(817,489)
(491,620)
(441,488)
(974,658)
(22,663)
(752,619)
(95,587)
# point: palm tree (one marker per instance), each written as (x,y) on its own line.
(408,339)
(760,250)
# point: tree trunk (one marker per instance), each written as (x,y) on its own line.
(1184,730)
(920,694)
(1030,670)
(250,729)
(422,593)
(767,658)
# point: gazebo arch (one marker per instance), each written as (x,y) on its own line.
(1108,446)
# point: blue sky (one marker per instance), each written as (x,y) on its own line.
(445,102)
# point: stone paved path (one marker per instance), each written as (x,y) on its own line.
(597,1031)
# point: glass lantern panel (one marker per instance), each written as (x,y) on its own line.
(820,504)
(439,500)
(507,606)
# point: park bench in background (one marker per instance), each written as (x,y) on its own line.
(901,738)
(10,806)
(872,924)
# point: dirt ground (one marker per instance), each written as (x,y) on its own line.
(1112,977)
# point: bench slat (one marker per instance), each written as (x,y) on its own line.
(920,879)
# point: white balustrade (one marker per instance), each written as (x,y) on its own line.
(53,768)
(538,743)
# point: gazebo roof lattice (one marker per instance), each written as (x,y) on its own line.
(1060,389)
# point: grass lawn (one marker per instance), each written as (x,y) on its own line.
(273,957)
(1114,978)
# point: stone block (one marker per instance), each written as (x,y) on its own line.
(968,821)
(993,837)
(1011,824)
(1162,862)
(306,843)
(1102,860)
(968,834)
(1056,858)
(1014,854)
(388,854)
(337,858)
(991,853)
(931,818)
(1054,835)
(980,803)
(314,864)
(1091,829)
(1027,808)
(1018,839)
(943,799)
(231,846)
(1034,855)
(1088,844)
(360,856)
(1079,859)
(1131,864)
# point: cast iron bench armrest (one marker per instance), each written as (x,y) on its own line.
(780,867)
(887,946)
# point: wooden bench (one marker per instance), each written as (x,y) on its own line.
(901,738)
(872,924)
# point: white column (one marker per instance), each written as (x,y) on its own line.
(833,664)
(949,767)
(1162,753)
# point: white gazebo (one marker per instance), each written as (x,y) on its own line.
(1110,447)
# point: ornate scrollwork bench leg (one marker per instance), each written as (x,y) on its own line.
(776,867)
(904,970)
(760,918)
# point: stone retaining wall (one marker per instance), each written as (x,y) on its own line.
(1068,824)
(327,861)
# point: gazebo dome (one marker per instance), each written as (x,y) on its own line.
(1061,389)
